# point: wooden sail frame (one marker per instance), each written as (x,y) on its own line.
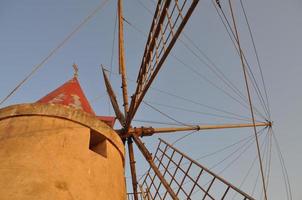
(159,44)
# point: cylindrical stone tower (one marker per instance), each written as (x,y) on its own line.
(59,152)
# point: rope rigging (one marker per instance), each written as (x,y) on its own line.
(283,167)
(233,38)
(257,58)
(250,100)
(244,147)
(112,55)
(234,94)
(264,152)
(220,110)
(53,51)
(246,140)
(197,112)
(212,66)
(166,115)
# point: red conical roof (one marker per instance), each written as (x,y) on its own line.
(71,94)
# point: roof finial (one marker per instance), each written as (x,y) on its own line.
(76,70)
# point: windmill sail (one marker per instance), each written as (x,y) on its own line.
(168,22)
(187,178)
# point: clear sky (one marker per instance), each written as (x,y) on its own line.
(30,29)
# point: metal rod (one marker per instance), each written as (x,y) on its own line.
(148,157)
(132,167)
(148,131)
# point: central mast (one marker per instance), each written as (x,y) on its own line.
(122,65)
(122,71)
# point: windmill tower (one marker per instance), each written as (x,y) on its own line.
(59,147)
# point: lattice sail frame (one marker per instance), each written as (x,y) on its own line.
(187,178)
(168,22)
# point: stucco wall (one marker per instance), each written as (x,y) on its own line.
(48,157)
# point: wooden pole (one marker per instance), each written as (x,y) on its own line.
(122,65)
(119,115)
(148,131)
(250,101)
(132,167)
(148,157)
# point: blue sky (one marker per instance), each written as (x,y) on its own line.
(30,29)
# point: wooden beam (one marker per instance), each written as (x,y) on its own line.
(122,65)
(148,131)
(144,84)
(132,167)
(148,157)
(111,94)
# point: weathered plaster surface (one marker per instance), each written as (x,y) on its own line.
(44,154)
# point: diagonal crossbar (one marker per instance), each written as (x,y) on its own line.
(187,178)
(168,22)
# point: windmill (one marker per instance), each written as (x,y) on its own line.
(169,20)
(162,180)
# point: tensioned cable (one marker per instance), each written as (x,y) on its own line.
(112,55)
(52,52)
(197,112)
(146,8)
(253,163)
(257,88)
(266,160)
(217,87)
(233,161)
(216,71)
(244,105)
(166,115)
(247,144)
(231,35)
(241,153)
(220,75)
(96,98)
(177,59)
(199,104)
(270,158)
(249,138)
(257,57)
(184,136)
(256,183)
(195,72)
(249,98)
(187,99)
(156,122)
(283,166)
